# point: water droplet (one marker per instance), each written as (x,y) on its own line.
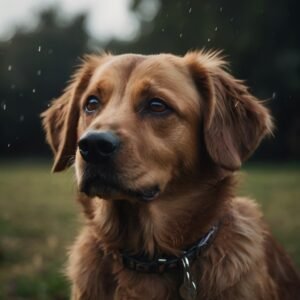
(274,95)
(39,48)
(39,72)
(221,9)
(9,68)
(33,91)
(208,39)
(216,28)
(180,35)
(4,106)
(190,10)
(8,145)
(22,118)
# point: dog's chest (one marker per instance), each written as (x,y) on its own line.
(132,285)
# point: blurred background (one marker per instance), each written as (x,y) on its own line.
(41,43)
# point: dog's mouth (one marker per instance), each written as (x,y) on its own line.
(110,187)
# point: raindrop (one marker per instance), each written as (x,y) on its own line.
(8,145)
(22,118)
(274,95)
(180,35)
(190,10)
(39,72)
(221,9)
(9,68)
(208,39)
(216,28)
(39,48)
(162,30)
(33,91)
(4,106)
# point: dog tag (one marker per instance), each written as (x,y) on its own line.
(188,289)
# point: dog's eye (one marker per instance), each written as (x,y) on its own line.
(157,106)
(92,104)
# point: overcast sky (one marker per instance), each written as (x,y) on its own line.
(106,18)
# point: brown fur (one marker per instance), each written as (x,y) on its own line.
(192,154)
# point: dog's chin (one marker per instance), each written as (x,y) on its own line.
(113,191)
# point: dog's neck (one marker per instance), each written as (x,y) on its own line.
(164,226)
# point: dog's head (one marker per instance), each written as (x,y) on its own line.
(135,124)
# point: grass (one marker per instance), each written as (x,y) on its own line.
(39,219)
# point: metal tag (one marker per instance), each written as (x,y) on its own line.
(188,289)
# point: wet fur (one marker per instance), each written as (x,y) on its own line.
(193,156)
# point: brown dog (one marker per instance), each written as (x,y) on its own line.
(156,140)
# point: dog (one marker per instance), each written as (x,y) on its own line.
(156,142)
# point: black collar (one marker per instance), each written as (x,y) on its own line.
(141,263)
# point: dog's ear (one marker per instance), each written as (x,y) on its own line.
(234,121)
(60,120)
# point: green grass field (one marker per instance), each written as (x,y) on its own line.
(39,219)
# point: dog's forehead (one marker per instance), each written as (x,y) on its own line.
(117,66)
(135,65)
(122,65)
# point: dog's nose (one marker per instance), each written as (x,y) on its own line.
(96,146)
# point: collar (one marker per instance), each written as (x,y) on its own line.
(141,263)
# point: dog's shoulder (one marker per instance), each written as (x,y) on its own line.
(89,268)
(235,263)
(245,262)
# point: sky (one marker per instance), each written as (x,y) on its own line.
(106,18)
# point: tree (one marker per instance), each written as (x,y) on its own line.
(34,68)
